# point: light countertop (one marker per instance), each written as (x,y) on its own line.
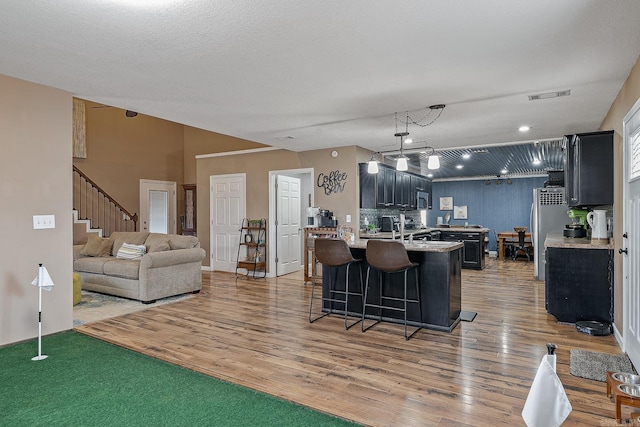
(559,241)
(416,246)
(418,231)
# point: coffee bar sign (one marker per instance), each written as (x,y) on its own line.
(332,182)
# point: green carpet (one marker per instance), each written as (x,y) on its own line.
(88,382)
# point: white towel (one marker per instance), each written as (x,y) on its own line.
(547,404)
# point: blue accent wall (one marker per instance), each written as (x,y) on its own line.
(497,207)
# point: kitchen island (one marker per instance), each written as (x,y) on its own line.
(439,279)
(473,238)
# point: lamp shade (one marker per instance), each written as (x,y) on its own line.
(434,162)
(401,164)
(372,166)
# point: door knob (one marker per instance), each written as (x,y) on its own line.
(625,235)
(623,251)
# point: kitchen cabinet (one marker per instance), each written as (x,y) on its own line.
(588,169)
(473,255)
(386,181)
(390,188)
(368,188)
(579,284)
(402,192)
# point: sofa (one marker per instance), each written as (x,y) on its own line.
(140,265)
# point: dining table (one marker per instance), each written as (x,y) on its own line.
(509,236)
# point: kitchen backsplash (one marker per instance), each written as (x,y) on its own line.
(374,216)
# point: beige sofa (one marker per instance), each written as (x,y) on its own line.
(171,265)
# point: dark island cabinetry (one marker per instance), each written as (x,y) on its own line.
(588,169)
(473,255)
(579,284)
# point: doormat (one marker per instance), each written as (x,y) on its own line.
(468,316)
(594,365)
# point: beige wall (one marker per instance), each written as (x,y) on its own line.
(123,150)
(341,202)
(36,179)
(627,97)
(257,167)
(198,141)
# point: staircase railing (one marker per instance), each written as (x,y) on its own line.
(95,205)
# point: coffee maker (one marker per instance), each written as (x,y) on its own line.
(327,219)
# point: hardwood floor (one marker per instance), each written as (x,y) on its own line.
(256,333)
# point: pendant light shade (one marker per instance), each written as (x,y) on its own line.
(434,162)
(401,164)
(372,166)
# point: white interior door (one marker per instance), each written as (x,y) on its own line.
(630,245)
(288,225)
(158,206)
(228,208)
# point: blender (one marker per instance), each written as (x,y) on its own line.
(577,227)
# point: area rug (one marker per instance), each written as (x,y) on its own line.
(94,306)
(594,365)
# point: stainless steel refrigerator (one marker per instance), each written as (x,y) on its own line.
(548,216)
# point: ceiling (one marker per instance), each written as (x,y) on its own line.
(305,75)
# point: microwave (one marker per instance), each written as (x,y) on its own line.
(422,201)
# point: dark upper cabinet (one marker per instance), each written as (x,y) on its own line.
(588,169)
(367,187)
(402,192)
(386,181)
(390,188)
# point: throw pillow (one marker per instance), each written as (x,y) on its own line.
(96,246)
(130,251)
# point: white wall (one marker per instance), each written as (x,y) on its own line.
(35,171)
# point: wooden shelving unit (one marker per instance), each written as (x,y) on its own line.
(310,234)
(253,238)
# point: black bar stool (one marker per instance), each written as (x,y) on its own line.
(334,253)
(388,257)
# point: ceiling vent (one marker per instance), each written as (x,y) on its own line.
(548,95)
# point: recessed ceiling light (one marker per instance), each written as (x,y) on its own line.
(536,161)
(459,166)
(503,171)
(408,141)
(429,175)
(466,155)
(524,128)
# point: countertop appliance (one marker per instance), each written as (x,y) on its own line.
(390,223)
(313,215)
(548,215)
(327,219)
(577,227)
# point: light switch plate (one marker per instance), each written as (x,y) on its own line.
(44,221)
(348,218)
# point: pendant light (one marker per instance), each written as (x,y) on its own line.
(401,163)
(434,160)
(372,165)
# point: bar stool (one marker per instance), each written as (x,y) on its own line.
(389,257)
(334,253)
